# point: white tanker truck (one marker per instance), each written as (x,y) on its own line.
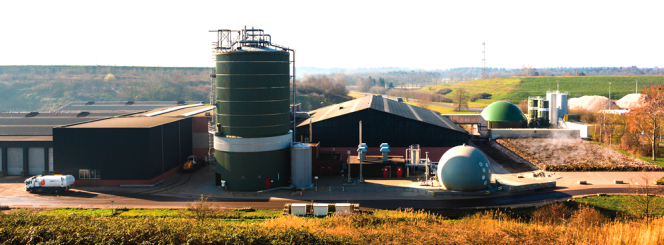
(50,183)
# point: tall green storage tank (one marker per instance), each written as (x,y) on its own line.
(252,134)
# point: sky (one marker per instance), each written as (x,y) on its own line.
(338,34)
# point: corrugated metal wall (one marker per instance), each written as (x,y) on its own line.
(123,153)
(381,127)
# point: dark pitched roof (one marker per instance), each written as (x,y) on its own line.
(42,124)
(120,106)
(379,103)
(127,122)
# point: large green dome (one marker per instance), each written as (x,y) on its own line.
(503,111)
(464,168)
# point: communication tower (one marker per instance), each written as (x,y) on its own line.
(484,75)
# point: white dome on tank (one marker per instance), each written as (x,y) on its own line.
(464,168)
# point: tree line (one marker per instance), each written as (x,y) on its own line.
(45,88)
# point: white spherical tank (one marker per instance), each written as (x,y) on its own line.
(464,168)
(301,165)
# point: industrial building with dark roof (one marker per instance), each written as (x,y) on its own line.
(126,140)
(120,106)
(337,128)
(384,120)
(127,150)
(26,139)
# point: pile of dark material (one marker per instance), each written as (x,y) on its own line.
(567,155)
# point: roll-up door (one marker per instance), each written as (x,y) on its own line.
(50,160)
(14,161)
(36,161)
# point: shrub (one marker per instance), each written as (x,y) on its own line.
(377,90)
(587,216)
(444,91)
(552,214)
(476,97)
(201,208)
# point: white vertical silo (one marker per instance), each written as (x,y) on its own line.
(553,108)
(301,165)
(562,104)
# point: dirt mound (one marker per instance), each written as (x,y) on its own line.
(508,160)
(592,103)
(630,101)
(574,155)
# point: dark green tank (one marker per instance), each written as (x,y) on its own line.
(252,93)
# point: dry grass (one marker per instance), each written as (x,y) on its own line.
(555,224)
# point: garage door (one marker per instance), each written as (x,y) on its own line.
(50,160)
(36,161)
(14,161)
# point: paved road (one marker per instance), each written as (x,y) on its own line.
(103,200)
(180,189)
(475,109)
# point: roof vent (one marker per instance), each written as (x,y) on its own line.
(82,114)
(341,107)
(129,102)
(31,114)
(90,103)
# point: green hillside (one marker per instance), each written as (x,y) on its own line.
(516,89)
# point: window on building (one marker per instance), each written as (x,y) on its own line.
(89,174)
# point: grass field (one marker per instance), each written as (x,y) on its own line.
(559,223)
(356,96)
(515,89)
(161,213)
(442,109)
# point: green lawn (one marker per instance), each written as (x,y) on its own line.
(611,205)
(162,213)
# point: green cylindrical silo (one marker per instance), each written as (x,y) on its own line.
(252,142)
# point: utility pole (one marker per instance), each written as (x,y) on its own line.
(608,111)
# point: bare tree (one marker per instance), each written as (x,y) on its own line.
(526,69)
(645,199)
(460,98)
(201,208)
(423,101)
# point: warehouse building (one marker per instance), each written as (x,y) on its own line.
(26,140)
(123,151)
(337,128)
